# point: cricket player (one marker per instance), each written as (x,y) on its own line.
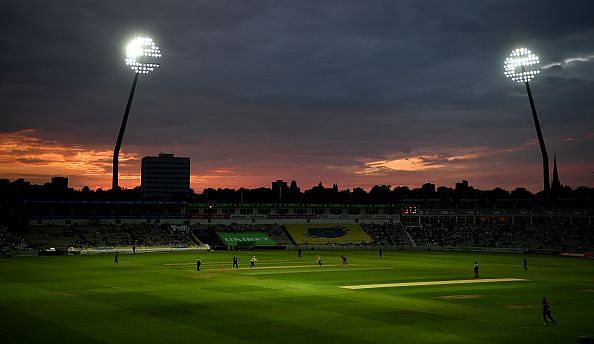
(546,312)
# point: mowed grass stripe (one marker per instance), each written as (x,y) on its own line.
(209,267)
(226,262)
(315,270)
(425,283)
(273,267)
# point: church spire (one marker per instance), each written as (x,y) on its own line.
(555,184)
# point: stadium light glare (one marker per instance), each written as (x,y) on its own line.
(521,67)
(142,56)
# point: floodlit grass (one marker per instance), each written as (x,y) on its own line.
(150,298)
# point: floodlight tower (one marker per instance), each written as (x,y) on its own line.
(519,67)
(142,55)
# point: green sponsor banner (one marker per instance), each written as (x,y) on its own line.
(257,238)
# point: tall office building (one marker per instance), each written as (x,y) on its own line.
(165,176)
(279,188)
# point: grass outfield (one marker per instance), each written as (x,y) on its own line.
(160,298)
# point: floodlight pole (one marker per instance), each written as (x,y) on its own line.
(116,150)
(543,148)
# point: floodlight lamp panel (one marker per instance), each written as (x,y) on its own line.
(142,55)
(521,65)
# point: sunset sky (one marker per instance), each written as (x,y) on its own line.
(350,92)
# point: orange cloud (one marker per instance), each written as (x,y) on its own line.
(24,154)
(415,164)
(404,164)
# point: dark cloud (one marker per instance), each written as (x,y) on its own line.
(332,83)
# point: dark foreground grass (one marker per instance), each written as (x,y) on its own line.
(160,298)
